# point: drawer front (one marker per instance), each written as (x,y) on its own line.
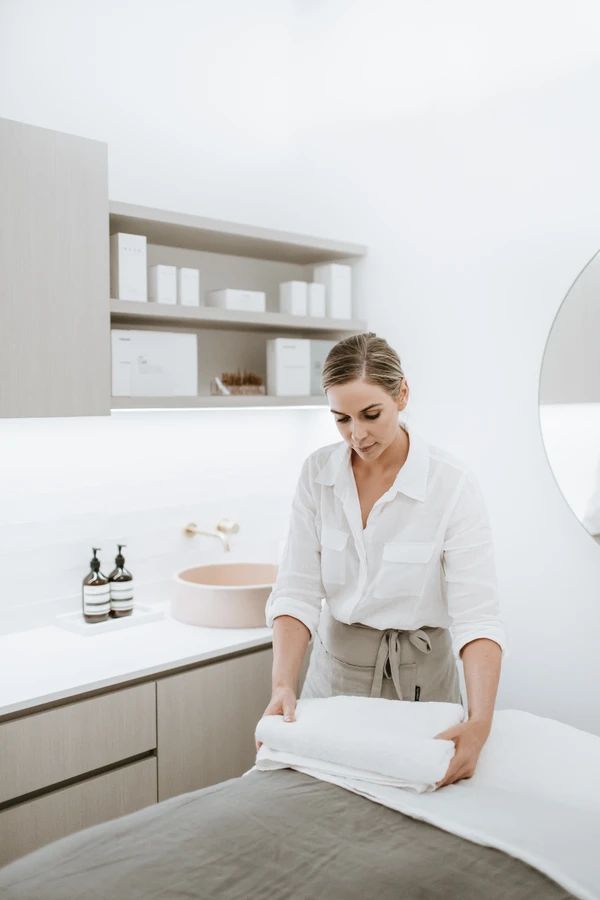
(48,747)
(33,823)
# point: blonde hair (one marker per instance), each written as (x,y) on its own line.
(363,356)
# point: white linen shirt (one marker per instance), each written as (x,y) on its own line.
(424,558)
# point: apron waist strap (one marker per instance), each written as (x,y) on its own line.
(363,645)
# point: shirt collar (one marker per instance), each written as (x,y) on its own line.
(410,480)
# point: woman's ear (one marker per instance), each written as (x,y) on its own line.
(402,398)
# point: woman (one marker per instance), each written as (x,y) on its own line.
(393,533)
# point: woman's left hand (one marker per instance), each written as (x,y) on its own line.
(469,737)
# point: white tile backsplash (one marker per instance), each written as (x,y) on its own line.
(138,478)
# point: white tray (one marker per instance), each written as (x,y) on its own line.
(74,621)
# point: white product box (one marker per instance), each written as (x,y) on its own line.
(318,354)
(188,286)
(293,297)
(154,364)
(128,267)
(162,284)
(338,288)
(232,298)
(316,299)
(288,367)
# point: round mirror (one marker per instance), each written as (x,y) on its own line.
(570,397)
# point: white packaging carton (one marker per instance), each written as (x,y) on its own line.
(162,284)
(288,367)
(233,298)
(338,288)
(293,297)
(316,299)
(154,364)
(318,354)
(128,279)
(188,286)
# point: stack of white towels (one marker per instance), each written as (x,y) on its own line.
(375,740)
(535,793)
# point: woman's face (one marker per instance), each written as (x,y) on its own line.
(366,415)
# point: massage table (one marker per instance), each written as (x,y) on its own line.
(272,835)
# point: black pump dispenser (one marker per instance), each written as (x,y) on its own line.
(121,587)
(95,592)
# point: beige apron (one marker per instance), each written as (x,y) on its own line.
(394,663)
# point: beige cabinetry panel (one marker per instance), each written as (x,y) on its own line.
(33,823)
(54,274)
(206,719)
(67,741)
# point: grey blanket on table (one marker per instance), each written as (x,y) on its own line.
(272,835)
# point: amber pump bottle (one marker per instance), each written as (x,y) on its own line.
(95,592)
(121,587)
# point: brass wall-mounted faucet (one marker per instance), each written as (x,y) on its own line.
(224,528)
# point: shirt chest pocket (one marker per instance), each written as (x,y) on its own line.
(403,570)
(333,555)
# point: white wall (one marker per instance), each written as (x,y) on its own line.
(464,153)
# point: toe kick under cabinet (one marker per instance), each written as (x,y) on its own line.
(84,762)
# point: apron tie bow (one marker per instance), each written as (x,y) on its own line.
(387,663)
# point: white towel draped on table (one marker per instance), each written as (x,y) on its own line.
(535,793)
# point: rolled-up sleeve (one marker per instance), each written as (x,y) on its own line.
(469,571)
(298,589)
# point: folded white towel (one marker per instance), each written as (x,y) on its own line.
(373,739)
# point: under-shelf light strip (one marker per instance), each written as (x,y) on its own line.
(170,409)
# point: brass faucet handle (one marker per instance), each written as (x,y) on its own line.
(228,526)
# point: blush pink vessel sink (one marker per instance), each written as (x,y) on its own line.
(223,595)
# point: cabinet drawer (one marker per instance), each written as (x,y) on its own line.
(33,823)
(52,746)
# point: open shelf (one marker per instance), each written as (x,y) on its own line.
(228,255)
(236,401)
(124,311)
(175,229)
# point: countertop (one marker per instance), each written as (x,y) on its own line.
(49,663)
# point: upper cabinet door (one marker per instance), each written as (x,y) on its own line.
(54,274)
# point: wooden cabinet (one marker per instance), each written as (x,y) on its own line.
(87,761)
(63,748)
(206,719)
(54,273)
(55,306)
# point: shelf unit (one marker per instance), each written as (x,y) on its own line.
(236,256)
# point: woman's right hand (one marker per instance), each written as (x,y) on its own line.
(282,703)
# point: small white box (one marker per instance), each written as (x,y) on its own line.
(233,298)
(154,364)
(338,289)
(293,297)
(188,286)
(318,354)
(128,267)
(162,284)
(288,367)
(316,299)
